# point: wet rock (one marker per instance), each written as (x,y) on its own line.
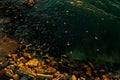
(24,78)
(12,62)
(105,77)
(50,70)
(73,77)
(14,56)
(26,71)
(41,64)
(22,59)
(44,76)
(20,64)
(27,55)
(57,74)
(29,2)
(16,77)
(12,67)
(9,72)
(32,63)
(39,70)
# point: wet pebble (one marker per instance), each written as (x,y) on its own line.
(9,72)
(24,77)
(16,77)
(27,55)
(29,2)
(12,67)
(32,63)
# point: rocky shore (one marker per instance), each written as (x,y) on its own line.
(26,66)
(43,32)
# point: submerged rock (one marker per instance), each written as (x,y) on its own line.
(29,2)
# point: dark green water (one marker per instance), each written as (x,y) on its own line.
(80,28)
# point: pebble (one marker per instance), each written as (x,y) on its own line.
(73,77)
(14,56)
(32,63)
(24,78)
(26,71)
(16,77)
(50,70)
(39,70)
(43,76)
(9,72)
(29,2)
(27,55)
(12,67)
(23,59)
(20,64)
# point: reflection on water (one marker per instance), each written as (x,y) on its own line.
(83,27)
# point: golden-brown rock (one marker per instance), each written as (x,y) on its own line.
(73,77)
(51,70)
(9,72)
(44,76)
(26,70)
(32,63)
(16,77)
(27,55)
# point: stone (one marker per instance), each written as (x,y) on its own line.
(16,77)
(32,63)
(24,78)
(20,64)
(73,77)
(51,70)
(29,2)
(44,76)
(9,72)
(12,67)
(24,70)
(14,56)
(27,55)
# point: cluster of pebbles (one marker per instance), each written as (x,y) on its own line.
(26,66)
